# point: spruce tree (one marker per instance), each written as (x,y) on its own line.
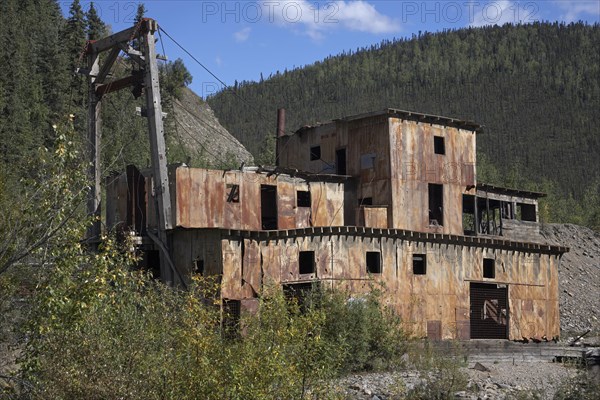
(96,29)
(74,34)
(141,12)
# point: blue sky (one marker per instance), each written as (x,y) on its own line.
(239,40)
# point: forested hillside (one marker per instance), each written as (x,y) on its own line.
(536,88)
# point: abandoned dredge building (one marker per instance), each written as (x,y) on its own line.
(387,197)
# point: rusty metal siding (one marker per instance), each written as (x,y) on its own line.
(286,205)
(373,216)
(442,294)
(414,164)
(201,200)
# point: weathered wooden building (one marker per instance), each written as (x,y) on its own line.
(387,197)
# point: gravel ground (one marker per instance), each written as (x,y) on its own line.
(502,381)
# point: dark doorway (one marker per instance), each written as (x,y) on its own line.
(340,161)
(268,207)
(489,311)
(151,262)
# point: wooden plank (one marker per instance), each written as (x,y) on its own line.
(94,143)
(108,63)
(106,43)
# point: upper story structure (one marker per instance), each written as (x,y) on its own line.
(411,171)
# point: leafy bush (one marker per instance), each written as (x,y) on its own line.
(370,334)
(105,331)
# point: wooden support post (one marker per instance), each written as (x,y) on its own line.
(94,138)
(157,145)
(476,211)
(487,213)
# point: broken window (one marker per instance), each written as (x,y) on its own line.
(365,201)
(340,162)
(306,262)
(489,268)
(436,204)
(419,264)
(315,153)
(527,212)
(439,146)
(268,206)
(233,193)
(373,262)
(302,198)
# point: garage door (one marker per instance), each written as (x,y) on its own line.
(489,311)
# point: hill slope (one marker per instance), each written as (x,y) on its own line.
(201,134)
(536,88)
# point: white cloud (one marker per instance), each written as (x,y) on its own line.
(314,19)
(242,35)
(576,10)
(499,13)
(218,61)
(362,16)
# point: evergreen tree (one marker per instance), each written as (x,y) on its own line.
(96,29)
(141,12)
(74,34)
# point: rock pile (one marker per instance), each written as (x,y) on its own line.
(579,278)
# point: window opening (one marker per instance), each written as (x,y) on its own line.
(315,153)
(306,262)
(302,198)
(439,146)
(365,201)
(419,264)
(199,267)
(468,215)
(527,212)
(268,206)
(436,204)
(489,268)
(373,262)
(233,193)
(340,162)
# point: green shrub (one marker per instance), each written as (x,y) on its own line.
(370,334)
(100,330)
